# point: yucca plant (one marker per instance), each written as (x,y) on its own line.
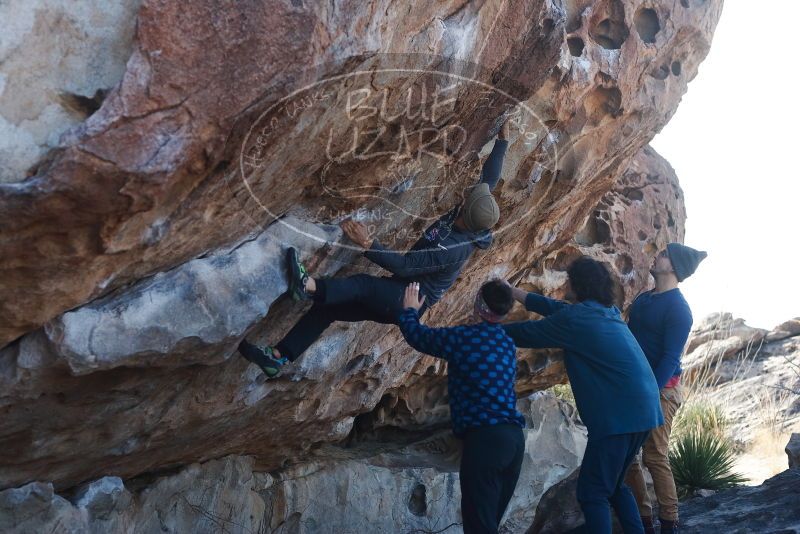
(702,460)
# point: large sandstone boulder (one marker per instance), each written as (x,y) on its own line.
(133,357)
(137,253)
(151,179)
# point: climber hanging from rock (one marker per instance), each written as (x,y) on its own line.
(435,261)
(481,374)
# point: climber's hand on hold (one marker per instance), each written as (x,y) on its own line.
(357,233)
(504,130)
(411,298)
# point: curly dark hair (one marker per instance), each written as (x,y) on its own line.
(497,296)
(590,280)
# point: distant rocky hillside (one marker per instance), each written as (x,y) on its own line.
(754,374)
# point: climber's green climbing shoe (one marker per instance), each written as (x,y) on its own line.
(297,275)
(264,357)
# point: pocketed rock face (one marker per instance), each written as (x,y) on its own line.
(374,487)
(141,219)
(149,180)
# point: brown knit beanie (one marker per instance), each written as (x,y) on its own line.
(480,210)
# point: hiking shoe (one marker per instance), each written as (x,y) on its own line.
(647,523)
(297,275)
(668,527)
(264,357)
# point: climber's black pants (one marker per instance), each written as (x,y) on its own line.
(489,471)
(355,298)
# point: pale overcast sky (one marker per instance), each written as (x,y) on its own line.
(734,145)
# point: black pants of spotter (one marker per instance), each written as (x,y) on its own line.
(354,298)
(490,465)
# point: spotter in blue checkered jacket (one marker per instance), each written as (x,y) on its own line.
(481,373)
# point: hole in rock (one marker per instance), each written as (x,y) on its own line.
(575,9)
(603,101)
(556,74)
(83,105)
(389,421)
(610,32)
(647,25)
(642,235)
(576,46)
(634,194)
(676,68)
(418,502)
(660,73)
(624,263)
(43,164)
(548,25)
(670,220)
(594,231)
(565,258)
(685,3)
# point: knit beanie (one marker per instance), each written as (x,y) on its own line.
(480,210)
(684,259)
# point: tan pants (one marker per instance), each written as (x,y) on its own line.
(655,458)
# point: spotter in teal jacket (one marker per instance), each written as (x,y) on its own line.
(613,384)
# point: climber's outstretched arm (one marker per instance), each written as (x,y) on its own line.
(432,341)
(493,166)
(408,265)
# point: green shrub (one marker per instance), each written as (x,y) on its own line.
(702,460)
(700,417)
(564,392)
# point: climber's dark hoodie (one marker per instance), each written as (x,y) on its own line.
(436,259)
